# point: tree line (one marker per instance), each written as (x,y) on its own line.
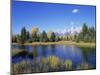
(87,34)
(35,36)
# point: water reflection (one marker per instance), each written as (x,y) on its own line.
(44,49)
(65,55)
(89,55)
(34,51)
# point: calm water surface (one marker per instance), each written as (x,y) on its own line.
(76,54)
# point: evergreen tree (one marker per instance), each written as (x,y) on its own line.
(53,37)
(23,35)
(43,37)
(87,34)
(27,35)
(85,29)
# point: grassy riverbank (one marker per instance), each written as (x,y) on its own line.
(50,63)
(80,44)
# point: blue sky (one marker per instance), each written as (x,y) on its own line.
(47,16)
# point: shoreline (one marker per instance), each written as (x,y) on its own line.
(79,44)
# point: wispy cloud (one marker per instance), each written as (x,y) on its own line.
(75,10)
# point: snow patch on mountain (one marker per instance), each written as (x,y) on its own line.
(69,31)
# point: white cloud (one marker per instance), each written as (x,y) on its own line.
(75,10)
